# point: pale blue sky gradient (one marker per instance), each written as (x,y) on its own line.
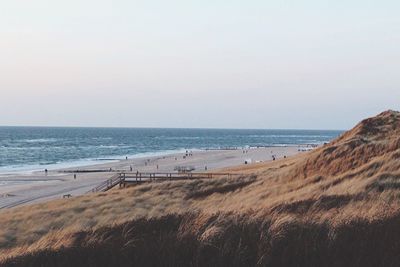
(224,64)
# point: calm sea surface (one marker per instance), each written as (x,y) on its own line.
(32,148)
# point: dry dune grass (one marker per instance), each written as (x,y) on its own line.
(335,206)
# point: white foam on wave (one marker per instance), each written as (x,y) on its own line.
(38,140)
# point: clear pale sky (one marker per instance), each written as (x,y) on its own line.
(226,64)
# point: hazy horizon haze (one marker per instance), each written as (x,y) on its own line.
(208,64)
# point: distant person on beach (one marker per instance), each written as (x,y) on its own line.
(131,168)
(46,171)
(75,176)
(126,158)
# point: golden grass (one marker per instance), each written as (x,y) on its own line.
(279,213)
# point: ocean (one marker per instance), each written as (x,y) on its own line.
(36,148)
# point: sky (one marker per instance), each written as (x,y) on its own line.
(312,64)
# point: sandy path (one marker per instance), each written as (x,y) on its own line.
(39,187)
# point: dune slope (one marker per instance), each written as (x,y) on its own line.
(335,206)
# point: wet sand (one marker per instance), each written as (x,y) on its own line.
(22,189)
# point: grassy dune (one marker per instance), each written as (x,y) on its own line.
(338,205)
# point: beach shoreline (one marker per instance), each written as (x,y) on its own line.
(38,186)
(30,169)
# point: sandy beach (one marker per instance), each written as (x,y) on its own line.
(26,188)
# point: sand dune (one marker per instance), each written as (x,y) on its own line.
(335,206)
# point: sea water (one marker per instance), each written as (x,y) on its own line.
(34,148)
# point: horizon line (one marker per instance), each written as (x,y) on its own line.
(172,128)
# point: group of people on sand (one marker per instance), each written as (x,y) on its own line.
(146,163)
(187,154)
